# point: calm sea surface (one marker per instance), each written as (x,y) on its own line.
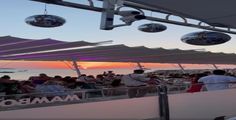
(24,74)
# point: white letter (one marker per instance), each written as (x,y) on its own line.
(24,101)
(71,98)
(8,103)
(57,99)
(40,101)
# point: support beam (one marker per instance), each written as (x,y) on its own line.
(214,65)
(72,5)
(181,67)
(76,67)
(188,24)
(108,14)
(140,66)
(108,8)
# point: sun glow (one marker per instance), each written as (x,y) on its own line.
(96,65)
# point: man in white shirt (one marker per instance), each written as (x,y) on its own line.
(136,83)
(217,81)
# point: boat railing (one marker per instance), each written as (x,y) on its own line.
(101,92)
(73,96)
(108,92)
(37,99)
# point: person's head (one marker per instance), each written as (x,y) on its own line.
(139,71)
(42,75)
(26,83)
(90,76)
(83,75)
(6,77)
(110,73)
(57,77)
(99,76)
(218,72)
(67,78)
(196,77)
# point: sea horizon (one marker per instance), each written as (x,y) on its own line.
(24,74)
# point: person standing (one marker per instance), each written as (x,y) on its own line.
(136,83)
(217,81)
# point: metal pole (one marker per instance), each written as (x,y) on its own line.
(73,5)
(163,103)
(107,23)
(214,65)
(76,67)
(188,24)
(139,65)
(181,67)
(107,17)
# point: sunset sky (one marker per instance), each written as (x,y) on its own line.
(84,25)
(98,65)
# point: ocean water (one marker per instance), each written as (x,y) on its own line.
(24,74)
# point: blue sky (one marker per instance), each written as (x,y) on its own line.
(84,25)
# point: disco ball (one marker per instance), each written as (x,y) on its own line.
(46,21)
(205,38)
(152,27)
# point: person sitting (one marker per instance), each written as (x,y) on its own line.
(53,88)
(26,87)
(84,85)
(116,83)
(8,86)
(90,79)
(5,79)
(152,83)
(154,80)
(136,83)
(82,78)
(195,85)
(100,79)
(39,79)
(109,77)
(110,73)
(69,82)
(217,81)
(57,78)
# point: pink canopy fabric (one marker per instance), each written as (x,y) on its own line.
(13,45)
(122,53)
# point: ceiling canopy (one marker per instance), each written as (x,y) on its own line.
(49,51)
(215,12)
(219,15)
(13,45)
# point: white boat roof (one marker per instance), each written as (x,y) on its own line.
(120,53)
(221,12)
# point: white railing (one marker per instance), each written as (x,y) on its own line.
(29,100)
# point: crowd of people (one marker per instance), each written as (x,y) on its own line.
(44,83)
(138,83)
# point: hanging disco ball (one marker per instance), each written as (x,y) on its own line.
(46,21)
(152,27)
(205,38)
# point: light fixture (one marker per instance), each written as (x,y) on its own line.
(45,20)
(205,38)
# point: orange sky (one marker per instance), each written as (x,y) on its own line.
(63,65)
(90,65)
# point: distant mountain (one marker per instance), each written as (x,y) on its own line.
(7,72)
